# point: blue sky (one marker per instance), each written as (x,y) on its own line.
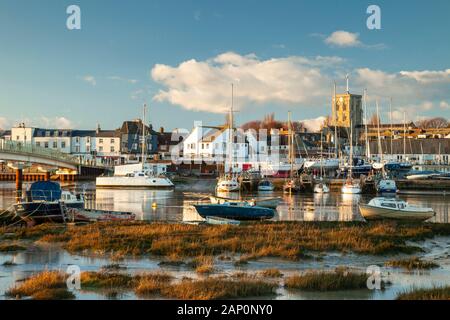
(50,76)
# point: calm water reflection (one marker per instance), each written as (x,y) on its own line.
(176,205)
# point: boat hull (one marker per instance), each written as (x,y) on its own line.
(234,212)
(134,182)
(39,212)
(271,203)
(376,213)
(351,190)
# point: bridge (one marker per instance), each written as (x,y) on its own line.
(14,151)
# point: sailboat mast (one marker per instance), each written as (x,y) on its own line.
(404,136)
(380,148)
(290,142)
(143,135)
(230,134)
(351,149)
(390,119)
(365,125)
(335,121)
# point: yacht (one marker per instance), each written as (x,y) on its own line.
(135,175)
(228,184)
(351,187)
(321,188)
(386,186)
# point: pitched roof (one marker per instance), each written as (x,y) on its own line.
(135,127)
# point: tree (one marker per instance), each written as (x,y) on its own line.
(433,123)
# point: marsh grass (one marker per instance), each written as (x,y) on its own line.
(40,285)
(152,284)
(53,294)
(413,263)
(203,264)
(271,273)
(213,288)
(327,281)
(286,240)
(436,293)
(106,280)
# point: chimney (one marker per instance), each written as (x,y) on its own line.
(161,130)
(98,128)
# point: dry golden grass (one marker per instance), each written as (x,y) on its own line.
(287,240)
(106,280)
(53,294)
(11,247)
(152,284)
(203,264)
(413,263)
(327,281)
(271,273)
(213,288)
(437,293)
(46,280)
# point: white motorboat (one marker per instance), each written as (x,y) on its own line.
(265,185)
(228,184)
(351,187)
(326,164)
(391,208)
(321,187)
(262,202)
(138,179)
(71,200)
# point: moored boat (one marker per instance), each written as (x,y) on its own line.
(394,209)
(386,186)
(262,202)
(228,184)
(265,185)
(235,211)
(321,188)
(351,187)
(221,221)
(88,215)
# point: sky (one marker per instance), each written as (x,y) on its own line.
(180,58)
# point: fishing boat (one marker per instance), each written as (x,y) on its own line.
(43,202)
(130,176)
(262,202)
(228,184)
(391,208)
(265,185)
(234,210)
(221,221)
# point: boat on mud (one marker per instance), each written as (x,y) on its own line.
(271,203)
(44,201)
(90,215)
(394,209)
(221,221)
(235,211)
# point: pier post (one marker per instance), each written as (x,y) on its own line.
(47,176)
(19,180)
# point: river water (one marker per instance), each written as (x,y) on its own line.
(176,205)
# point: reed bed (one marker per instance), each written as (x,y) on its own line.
(436,293)
(413,263)
(271,273)
(152,284)
(327,281)
(286,240)
(215,288)
(45,285)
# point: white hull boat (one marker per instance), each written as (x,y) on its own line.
(321,188)
(393,209)
(386,186)
(137,180)
(265,185)
(325,164)
(351,187)
(228,185)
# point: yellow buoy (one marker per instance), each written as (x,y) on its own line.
(154,205)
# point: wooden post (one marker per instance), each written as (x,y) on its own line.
(19,179)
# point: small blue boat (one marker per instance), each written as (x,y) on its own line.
(234,210)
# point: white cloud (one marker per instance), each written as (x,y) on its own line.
(205,85)
(428,76)
(444,105)
(54,122)
(313,125)
(342,38)
(90,79)
(4,123)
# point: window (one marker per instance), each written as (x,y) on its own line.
(112,148)
(55,144)
(100,149)
(112,140)
(88,149)
(63,144)
(389,205)
(47,133)
(38,144)
(46,145)
(17,137)
(55,133)
(100,141)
